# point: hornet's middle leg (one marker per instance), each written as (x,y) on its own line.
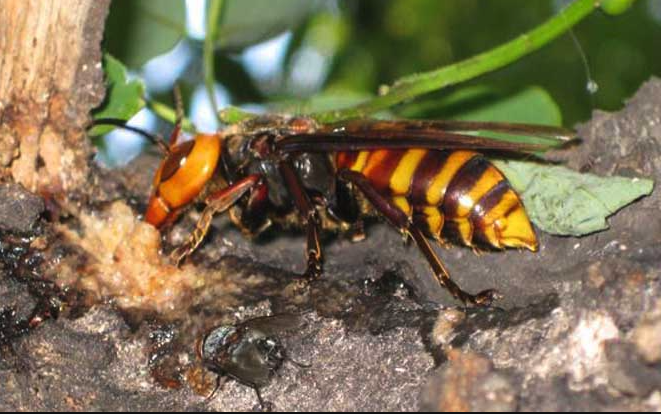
(311,219)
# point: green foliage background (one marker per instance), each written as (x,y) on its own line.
(374,42)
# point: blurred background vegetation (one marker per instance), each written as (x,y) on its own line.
(298,55)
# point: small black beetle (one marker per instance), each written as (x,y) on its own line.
(249,352)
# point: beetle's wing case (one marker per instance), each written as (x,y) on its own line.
(233,351)
(275,324)
(248,365)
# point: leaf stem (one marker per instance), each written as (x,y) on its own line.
(168,113)
(419,84)
(214,11)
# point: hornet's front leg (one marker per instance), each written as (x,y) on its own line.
(310,218)
(217,202)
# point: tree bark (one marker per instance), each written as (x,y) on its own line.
(50,79)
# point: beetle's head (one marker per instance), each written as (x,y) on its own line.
(182,176)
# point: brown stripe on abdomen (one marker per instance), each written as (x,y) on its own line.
(346,159)
(489,201)
(481,215)
(457,193)
(424,175)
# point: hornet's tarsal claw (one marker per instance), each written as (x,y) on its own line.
(178,256)
(485,298)
(314,270)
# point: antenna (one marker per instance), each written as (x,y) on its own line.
(179,105)
(155,139)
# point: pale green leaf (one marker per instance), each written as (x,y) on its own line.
(564,202)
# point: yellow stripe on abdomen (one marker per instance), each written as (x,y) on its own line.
(400,182)
(403,204)
(439,185)
(361,161)
(435,221)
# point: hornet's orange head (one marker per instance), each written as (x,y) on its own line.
(182,176)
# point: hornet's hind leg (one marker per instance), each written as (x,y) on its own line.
(400,220)
(484,298)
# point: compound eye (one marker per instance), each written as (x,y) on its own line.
(176,160)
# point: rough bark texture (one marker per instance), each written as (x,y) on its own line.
(50,79)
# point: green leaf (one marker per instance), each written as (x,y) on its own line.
(246,22)
(451,105)
(532,105)
(124,97)
(137,31)
(564,202)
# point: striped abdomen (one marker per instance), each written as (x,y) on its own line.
(457,193)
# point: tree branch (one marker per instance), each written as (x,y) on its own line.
(51,78)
